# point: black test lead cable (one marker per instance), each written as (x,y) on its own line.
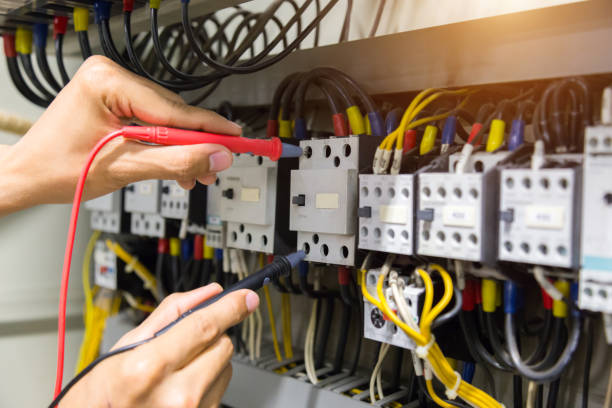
(281,266)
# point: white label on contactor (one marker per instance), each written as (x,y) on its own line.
(545,217)
(394,214)
(459,216)
(249,195)
(327,201)
(145,188)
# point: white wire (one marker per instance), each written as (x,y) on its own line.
(375,380)
(531,393)
(309,361)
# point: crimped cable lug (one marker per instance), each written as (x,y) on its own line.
(466,152)
(397,161)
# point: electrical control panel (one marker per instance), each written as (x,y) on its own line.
(105,266)
(386,213)
(595,280)
(255,206)
(378,327)
(539,216)
(215,228)
(324,196)
(106,212)
(174,200)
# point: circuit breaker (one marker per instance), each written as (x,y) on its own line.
(595,280)
(142,200)
(255,204)
(386,213)
(457,212)
(539,216)
(174,200)
(107,212)
(215,228)
(378,327)
(324,196)
(105,266)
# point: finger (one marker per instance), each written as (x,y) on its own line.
(200,329)
(208,180)
(212,397)
(129,161)
(169,310)
(187,184)
(205,369)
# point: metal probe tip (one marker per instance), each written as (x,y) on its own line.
(290,150)
(295,258)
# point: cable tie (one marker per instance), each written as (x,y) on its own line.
(423,351)
(129,268)
(451,393)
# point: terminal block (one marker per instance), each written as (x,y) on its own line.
(595,279)
(386,213)
(377,326)
(107,213)
(105,265)
(457,212)
(324,196)
(539,216)
(255,204)
(215,229)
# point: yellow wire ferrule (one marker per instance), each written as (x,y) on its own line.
(489,295)
(368,125)
(284,128)
(429,139)
(356,121)
(209,252)
(559,306)
(80,18)
(496,135)
(175,247)
(154,4)
(23,40)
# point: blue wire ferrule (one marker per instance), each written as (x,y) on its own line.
(517,134)
(186,249)
(510,297)
(376,123)
(303,268)
(185,1)
(392,120)
(574,296)
(449,130)
(218,254)
(102,11)
(40,35)
(299,130)
(468,371)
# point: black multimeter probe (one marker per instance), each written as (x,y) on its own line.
(281,266)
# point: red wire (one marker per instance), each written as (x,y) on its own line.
(74,215)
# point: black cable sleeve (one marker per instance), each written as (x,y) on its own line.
(59,57)
(26,62)
(500,352)
(22,87)
(110,45)
(345,321)
(324,331)
(84,44)
(45,70)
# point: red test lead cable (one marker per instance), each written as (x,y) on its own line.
(271,148)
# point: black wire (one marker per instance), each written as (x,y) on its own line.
(92,365)
(474,343)
(107,39)
(588,333)
(59,57)
(379,12)
(21,85)
(84,44)
(26,61)
(500,352)
(324,331)
(451,314)
(553,393)
(43,66)
(345,321)
(159,274)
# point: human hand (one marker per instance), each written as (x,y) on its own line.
(44,166)
(187,366)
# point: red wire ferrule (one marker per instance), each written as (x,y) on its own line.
(344,276)
(270,259)
(477,292)
(341,127)
(272,129)
(198,247)
(128,5)
(547,301)
(410,139)
(60,25)
(9,45)
(163,246)
(475,129)
(469,295)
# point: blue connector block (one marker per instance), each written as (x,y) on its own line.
(449,130)
(218,254)
(392,120)
(102,11)
(40,35)
(517,134)
(376,123)
(299,130)
(510,297)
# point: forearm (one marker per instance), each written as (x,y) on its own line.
(14,195)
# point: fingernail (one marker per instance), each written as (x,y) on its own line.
(219,161)
(252,301)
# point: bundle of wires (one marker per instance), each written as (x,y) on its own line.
(427,349)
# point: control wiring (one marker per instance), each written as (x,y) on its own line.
(134,265)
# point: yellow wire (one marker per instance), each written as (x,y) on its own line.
(427,319)
(272,323)
(286,311)
(141,271)
(434,396)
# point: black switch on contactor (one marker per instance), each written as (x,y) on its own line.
(229,193)
(507,216)
(365,212)
(608,198)
(299,200)
(426,215)
(165,190)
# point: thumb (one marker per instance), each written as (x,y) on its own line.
(136,161)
